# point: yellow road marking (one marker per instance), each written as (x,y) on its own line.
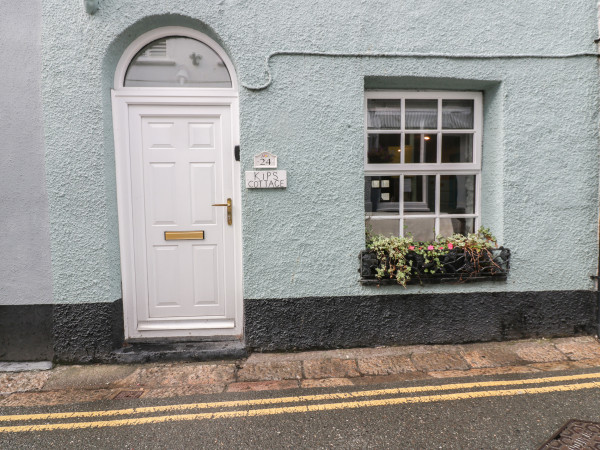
(300,409)
(303,398)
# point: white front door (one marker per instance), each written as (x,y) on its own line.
(184,275)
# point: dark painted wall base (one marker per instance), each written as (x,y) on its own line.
(26,333)
(87,332)
(335,322)
(66,333)
(82,333)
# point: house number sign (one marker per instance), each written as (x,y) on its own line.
(266,179)
(265,160)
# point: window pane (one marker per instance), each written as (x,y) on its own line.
(457,114)
(382,195)
(387,227)
(384,114)
(450,226)
(419,193)
(457,194)
(384,149)
(421,229)
(421,114)
(420,148)
(457,148)
(177,62)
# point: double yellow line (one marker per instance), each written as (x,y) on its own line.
(300,404)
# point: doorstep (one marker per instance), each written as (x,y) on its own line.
(150,352)
(276,371)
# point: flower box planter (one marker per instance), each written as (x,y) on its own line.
(457,266)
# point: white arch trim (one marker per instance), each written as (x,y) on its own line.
(163,32)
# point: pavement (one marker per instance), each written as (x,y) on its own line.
(278,371)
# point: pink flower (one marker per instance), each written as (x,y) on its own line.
(430,247)
(450,246)
(411,247)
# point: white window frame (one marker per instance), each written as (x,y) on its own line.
(438,169)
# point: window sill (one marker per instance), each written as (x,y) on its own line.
(456,268)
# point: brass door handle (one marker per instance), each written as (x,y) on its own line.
(228,204)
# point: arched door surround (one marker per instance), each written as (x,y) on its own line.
(175,114)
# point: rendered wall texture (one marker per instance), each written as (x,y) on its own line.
(540,163)
(25,273)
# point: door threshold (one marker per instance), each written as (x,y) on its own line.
(171,351)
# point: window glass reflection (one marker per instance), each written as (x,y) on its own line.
(421,229)
(382,195)
(450,226)
(387,227)
(457,114)
(384,114)
(457,148)
(420,148)
(457,194)
(177,62)
(421,114)
(384,149)
(419,193)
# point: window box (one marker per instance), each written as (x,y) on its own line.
(457,266)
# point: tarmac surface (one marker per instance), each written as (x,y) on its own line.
(511,411)
(344,368)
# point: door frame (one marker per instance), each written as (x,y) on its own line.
(124,97)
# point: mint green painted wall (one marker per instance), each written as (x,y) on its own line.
(540,163)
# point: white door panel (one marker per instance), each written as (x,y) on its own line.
(181,162)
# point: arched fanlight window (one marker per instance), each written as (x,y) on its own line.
(177,61)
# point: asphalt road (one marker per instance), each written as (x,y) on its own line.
(507,412)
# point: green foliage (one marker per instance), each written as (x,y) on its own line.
(392,252)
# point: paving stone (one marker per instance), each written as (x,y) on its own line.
(384,379)
(22,381)
(351,353)
(574,339)
(8,366)
(88,377)
(326,382)
(330,368)
(386,365)
(246,386)
(559,365)
(180,374)
(484,371)
(538,352)
(270,370)
(486,356)
(299,356)
(59,397)
(429,362)
(594,362)
(580,349)
(182,391)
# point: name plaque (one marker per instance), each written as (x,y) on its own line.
(266,179)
